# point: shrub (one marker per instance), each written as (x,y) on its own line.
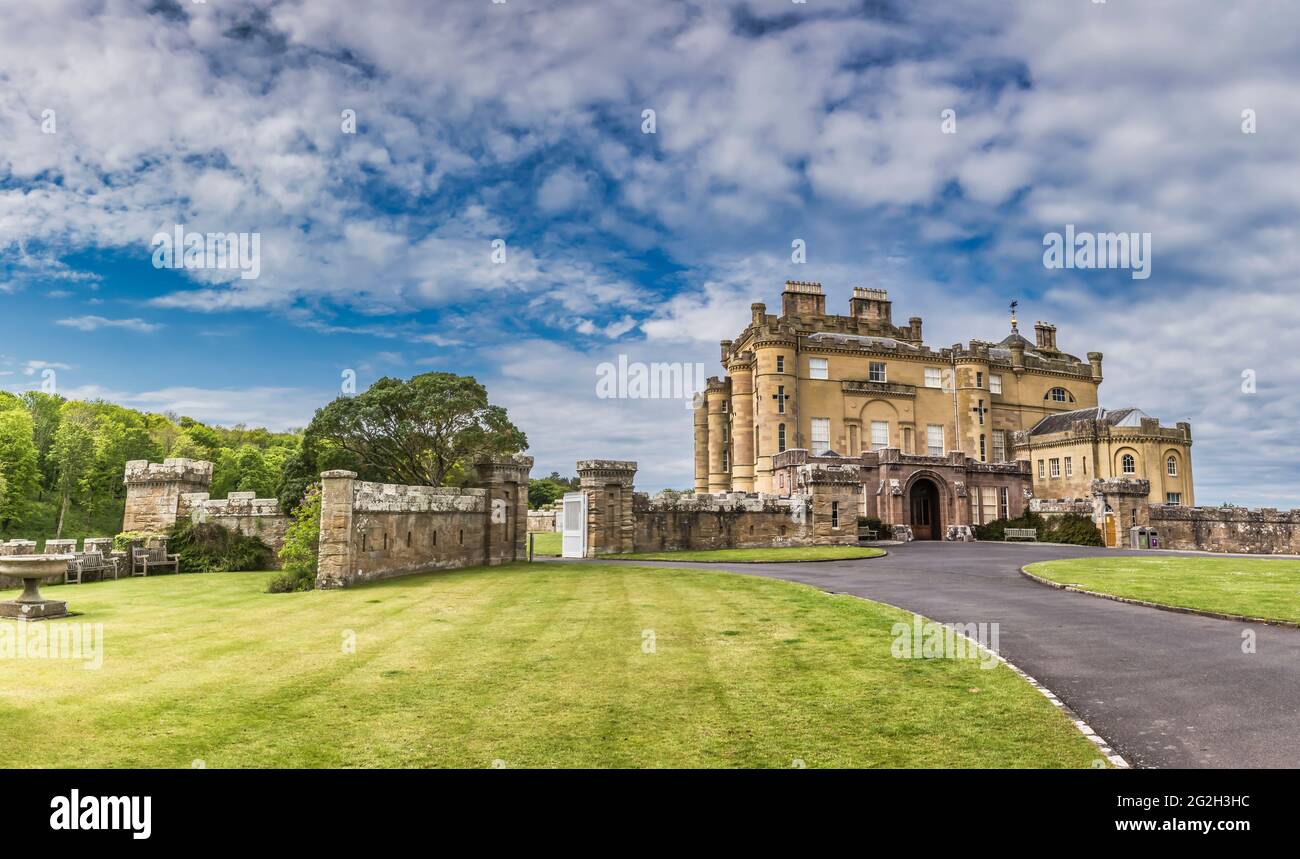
(210,548)
(301,547)
(1076,529)
(125,540)
(1068,528)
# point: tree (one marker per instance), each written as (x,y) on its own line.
(542,493)
(18,464)
(45,410)
(427,430)
(73,454)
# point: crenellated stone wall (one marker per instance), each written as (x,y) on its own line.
(160,494)
(154,490)
(239,511)
(373,531)
(732,521)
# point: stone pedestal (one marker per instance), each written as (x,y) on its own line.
(32,569)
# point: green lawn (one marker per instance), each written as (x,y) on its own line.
(1242,586)
(547,543)
(769,555)
(530,665)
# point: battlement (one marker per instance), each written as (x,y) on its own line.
(179,470)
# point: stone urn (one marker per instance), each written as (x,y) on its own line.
(32,570)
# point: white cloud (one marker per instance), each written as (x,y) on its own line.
(94,323)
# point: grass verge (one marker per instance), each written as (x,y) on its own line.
(1240,586)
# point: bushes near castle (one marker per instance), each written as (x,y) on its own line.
(209,548)
(1068,528)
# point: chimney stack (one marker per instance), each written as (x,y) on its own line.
(758,313)
(1045,333)
(872,305)
(803,298)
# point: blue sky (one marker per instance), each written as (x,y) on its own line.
(523,122)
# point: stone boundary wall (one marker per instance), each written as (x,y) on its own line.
(545,519)
(372,531)
(1062,506)
(732,521)
(239,511)
(1265,531)
(823,511)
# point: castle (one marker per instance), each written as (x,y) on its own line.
(941,438)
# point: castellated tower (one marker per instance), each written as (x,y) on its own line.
(153,491)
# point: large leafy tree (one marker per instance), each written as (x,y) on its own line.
(426,430)
(73,453)
(18,464)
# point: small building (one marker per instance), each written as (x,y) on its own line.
(1071,450)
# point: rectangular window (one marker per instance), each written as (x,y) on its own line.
(780,363)
(1173,498)
(878,372)
(879,434)
(933,377)
(835,514)
(1041,471)
(780,437)
(1055,467)
(983,449)
(818,368)
(979,379)
(995,383)
(726,460)
(934,440)
(780,399)
(1004,503)
(821,434)
(988,496)
(999,445)
(1069,466)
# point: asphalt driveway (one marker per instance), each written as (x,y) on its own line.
(1165,689)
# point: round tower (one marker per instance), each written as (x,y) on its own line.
(716,397)
(775,414)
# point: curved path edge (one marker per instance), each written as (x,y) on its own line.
(1239,618)
(1116,759)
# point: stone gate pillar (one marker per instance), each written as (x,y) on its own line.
(607,483)
(505,536)
(334,564)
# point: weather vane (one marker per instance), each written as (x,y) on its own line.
(1014,305)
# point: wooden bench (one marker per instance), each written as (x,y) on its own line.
(154,557)
(1020,534)
(868,534)
(89,563)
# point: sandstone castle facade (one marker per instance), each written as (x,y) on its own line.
(941,437)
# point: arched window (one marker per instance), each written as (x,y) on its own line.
(1059,395)
(1128,464)
(1171,466)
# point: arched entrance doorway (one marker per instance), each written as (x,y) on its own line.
(923,505)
